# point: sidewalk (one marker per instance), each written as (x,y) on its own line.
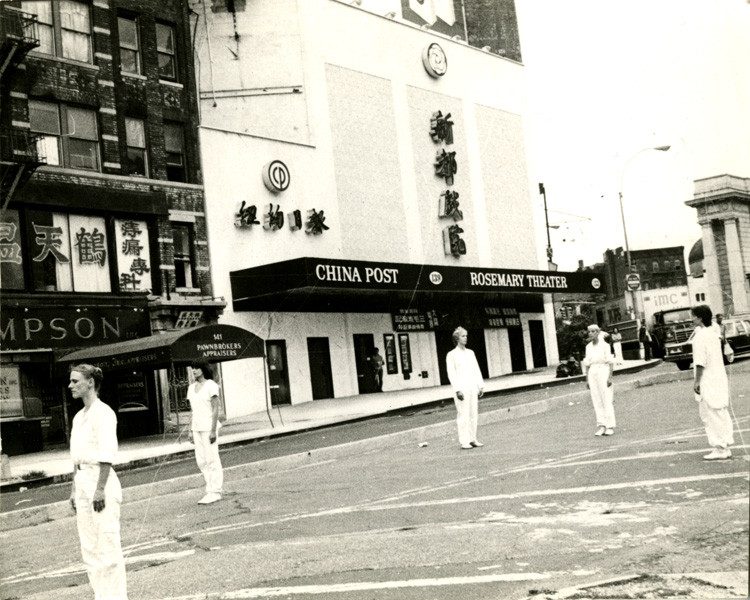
(283,420)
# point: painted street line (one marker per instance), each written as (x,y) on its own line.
(364,586)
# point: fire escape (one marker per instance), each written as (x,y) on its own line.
(19,156)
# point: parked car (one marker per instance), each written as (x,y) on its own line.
(737,331)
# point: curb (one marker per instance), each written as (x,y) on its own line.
(60,510)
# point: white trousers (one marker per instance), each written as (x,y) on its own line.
(618,352)
(209,463)
(601,395)
(99,533)
(718,425)
(467,411)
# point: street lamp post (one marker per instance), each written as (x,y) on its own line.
(622,214)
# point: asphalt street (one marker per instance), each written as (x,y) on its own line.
(543,506)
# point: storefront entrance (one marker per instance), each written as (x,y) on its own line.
(364,346)
(321,377)
(278,372)
(517,349)
(444,343)
(538,347)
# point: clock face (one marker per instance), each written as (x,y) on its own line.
(434,60)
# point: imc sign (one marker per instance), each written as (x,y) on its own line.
(633,281)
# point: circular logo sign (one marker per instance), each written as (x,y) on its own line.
(436,278)
(595,283)
(276,176)
(633,281)
(434,60)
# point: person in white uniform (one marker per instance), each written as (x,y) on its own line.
(598,366)
(711,385)
(468,386)
(203,396)
(96,494)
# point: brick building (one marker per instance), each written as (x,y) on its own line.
(366,176)
(106,241)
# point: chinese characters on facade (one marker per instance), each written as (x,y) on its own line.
(274,219)
(446,167)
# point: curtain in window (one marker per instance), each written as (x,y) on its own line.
(90,254)
(76,30)
(43,11)
(83,141)
(135,133)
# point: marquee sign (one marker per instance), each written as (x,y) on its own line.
(321,274)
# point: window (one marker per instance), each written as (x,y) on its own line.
(667,265)
(183,255)
(137,159)
(655,266)
(64,28)
(174,144)
(70,136)
(700,297)
(165,48)
(677,264)
(130,53)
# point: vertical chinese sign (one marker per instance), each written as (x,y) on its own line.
(405,352)
(391,359)
(133,255)
(11,260)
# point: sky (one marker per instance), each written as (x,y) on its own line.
(607,79)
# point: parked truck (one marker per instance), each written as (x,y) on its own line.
(672,328)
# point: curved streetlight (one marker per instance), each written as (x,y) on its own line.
(622,213)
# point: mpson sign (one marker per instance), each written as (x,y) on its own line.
(64,327)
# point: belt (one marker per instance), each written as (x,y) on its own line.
(83,466)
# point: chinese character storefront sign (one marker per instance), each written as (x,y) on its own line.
(246,215)
(315,222)
(295,220)
(49,238)
(448,207)
(273,219)
(133,258)
(446,166)
(91,247)
(441,128)
(452,242)
(11,261)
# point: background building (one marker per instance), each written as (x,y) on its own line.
(367,186)
(106,241)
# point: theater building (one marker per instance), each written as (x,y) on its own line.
(102,232)
(367,187)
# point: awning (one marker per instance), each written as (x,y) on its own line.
(214,343)
(325,285)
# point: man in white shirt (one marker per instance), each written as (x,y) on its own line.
(468,386)
(96,494)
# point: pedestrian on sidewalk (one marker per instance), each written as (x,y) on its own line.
(711,385)
(96,494)
(644,337)
(203,395)
(598,366)
(468,386)
(376,362)
(617,345)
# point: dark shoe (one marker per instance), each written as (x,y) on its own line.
(477,444)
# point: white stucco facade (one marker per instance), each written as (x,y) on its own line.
(342,98)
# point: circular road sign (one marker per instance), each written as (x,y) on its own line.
(633,281)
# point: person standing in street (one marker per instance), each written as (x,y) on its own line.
(598,366)
(468,386)
(203,395)
(644,337)
(617,345)
(96,494)
(711,385)
(376,362)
